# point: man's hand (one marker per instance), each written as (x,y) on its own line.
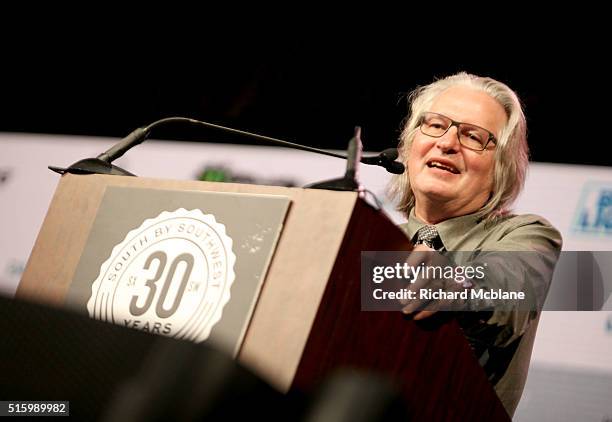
(427,258)
(415,260)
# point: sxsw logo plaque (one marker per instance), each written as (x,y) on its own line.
(171,276)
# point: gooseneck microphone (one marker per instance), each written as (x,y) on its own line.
(102,164)
(386,159)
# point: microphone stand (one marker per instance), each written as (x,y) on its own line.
(102,164)
(349,181)
(92,166)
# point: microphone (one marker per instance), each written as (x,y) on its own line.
(354,150)
(102,163)
(136,137)
(386,159)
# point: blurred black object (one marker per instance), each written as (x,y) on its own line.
(352,396)
(112,373)
(108,372)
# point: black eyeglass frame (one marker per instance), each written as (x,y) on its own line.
(456,124)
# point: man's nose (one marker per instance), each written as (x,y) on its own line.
(449,142)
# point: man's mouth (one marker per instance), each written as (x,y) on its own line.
(443,166)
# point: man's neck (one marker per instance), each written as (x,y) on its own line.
(434,213)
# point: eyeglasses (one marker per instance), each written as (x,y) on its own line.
(470,136)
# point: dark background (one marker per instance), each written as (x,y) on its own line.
(311,92)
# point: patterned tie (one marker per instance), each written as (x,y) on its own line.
(428,235)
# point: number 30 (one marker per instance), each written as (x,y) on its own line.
(159,308)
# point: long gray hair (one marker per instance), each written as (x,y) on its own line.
(511,151)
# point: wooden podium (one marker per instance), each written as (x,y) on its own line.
(307,320)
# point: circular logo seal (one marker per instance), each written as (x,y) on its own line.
(171,276)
